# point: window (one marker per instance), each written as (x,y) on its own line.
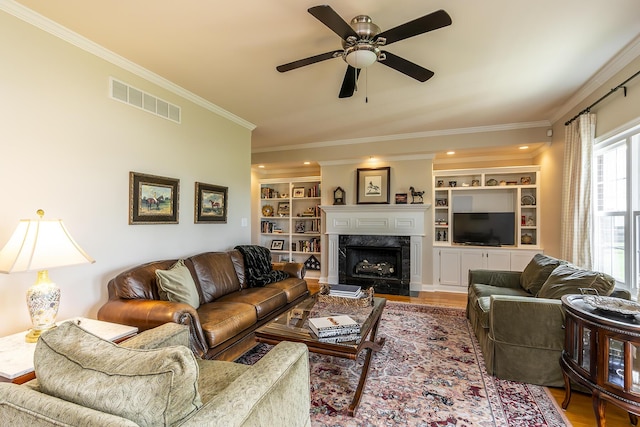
(616,226)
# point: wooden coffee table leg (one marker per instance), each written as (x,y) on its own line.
(370,346)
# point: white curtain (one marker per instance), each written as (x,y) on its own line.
(576,190)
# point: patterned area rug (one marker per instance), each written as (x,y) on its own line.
(429,373)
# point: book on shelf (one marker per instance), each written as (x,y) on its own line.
(333,325)
(345,291)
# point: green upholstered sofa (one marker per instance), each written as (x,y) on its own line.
(519,320)
(154,379)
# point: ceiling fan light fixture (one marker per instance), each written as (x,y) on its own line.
(361,56)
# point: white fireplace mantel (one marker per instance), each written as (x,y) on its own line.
(390,220)
(384,220)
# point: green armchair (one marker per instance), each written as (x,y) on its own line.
(519,320)
(154,379)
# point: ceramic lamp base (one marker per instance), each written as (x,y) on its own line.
(43,300)
(33,335)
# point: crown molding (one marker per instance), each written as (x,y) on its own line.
(25,14)
(627,55)
(378,159)
(407,136)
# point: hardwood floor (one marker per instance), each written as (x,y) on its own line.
(580,411)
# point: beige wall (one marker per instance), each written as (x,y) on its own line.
(68,148)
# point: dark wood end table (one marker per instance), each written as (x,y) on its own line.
(602,353)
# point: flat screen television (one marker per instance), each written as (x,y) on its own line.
(484,228)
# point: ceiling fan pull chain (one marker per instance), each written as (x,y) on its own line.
(366,86)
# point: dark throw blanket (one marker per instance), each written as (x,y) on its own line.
(257,265)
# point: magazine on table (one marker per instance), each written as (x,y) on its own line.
(333,325)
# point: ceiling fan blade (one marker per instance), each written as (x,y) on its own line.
(430,22)
(349,82)
(406,67)
(308,61)
(331,19)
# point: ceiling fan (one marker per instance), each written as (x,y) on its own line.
(362,42)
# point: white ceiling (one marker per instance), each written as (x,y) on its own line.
(500,62)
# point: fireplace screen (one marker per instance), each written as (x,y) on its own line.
(378,261)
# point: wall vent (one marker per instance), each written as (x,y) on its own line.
(123,92)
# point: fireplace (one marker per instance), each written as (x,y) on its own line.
(379,261)
(386,236)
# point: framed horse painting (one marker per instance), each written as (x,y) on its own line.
(373,185)
(153,199)
(211,204)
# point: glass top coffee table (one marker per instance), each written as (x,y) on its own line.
(293,326)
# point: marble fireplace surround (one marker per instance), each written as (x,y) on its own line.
(379,220)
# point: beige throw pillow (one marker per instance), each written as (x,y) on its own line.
(149,387)
(177,285)
(568,279)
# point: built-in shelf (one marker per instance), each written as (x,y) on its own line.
(292,206)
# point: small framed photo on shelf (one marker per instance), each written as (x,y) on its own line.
(373,185)
(283,209)
(298,192)
(401,198)
(277,245)
(300,227)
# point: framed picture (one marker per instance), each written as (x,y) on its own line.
(373,185)
(153,199)
(401,198)
(211,204)
(277,245)
(298,192)
(283,208)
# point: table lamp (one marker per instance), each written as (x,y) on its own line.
(37,245)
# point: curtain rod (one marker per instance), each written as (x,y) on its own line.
(586,110)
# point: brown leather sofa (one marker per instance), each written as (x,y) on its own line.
(222,326)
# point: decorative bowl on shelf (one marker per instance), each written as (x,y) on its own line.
(527,200)
(492,182)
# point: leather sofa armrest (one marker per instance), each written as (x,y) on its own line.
(147,314)
(295,269)
(500,278)
(527,321)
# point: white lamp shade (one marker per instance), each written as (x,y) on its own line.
(40,245)
(361,58)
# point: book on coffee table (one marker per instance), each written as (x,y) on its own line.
(341,338)
(330,326)
(346,291)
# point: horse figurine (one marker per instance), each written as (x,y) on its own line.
(416,195)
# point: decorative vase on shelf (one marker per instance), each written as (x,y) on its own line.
(526,239)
